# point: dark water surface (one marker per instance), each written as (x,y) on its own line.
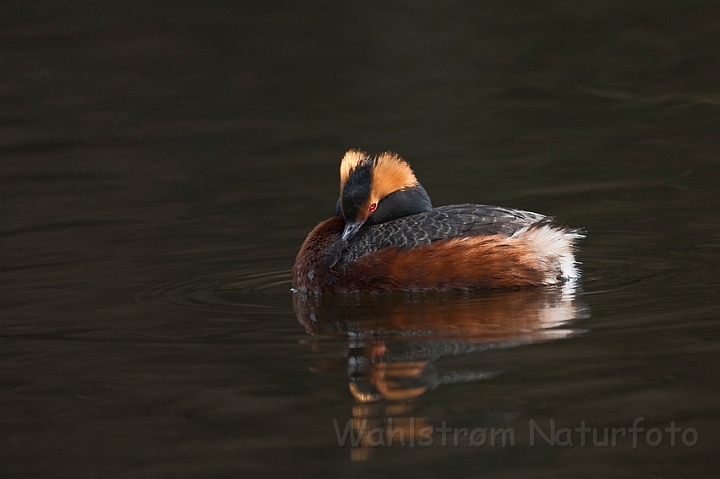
(163,161)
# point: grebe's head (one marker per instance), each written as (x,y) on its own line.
(376,190)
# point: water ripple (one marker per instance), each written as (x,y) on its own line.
(228,291)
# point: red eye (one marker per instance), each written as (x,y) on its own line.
(372,207)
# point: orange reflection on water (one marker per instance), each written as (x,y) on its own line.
(391,343)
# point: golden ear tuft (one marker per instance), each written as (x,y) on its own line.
(349,162)
(391,173)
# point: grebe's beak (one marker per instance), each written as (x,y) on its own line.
(351,228)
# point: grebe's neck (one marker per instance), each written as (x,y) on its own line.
(401,203)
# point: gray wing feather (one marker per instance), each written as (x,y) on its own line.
(439,223)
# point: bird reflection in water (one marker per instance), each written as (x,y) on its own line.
(391,343)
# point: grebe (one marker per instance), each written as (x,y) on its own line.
(386,236)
